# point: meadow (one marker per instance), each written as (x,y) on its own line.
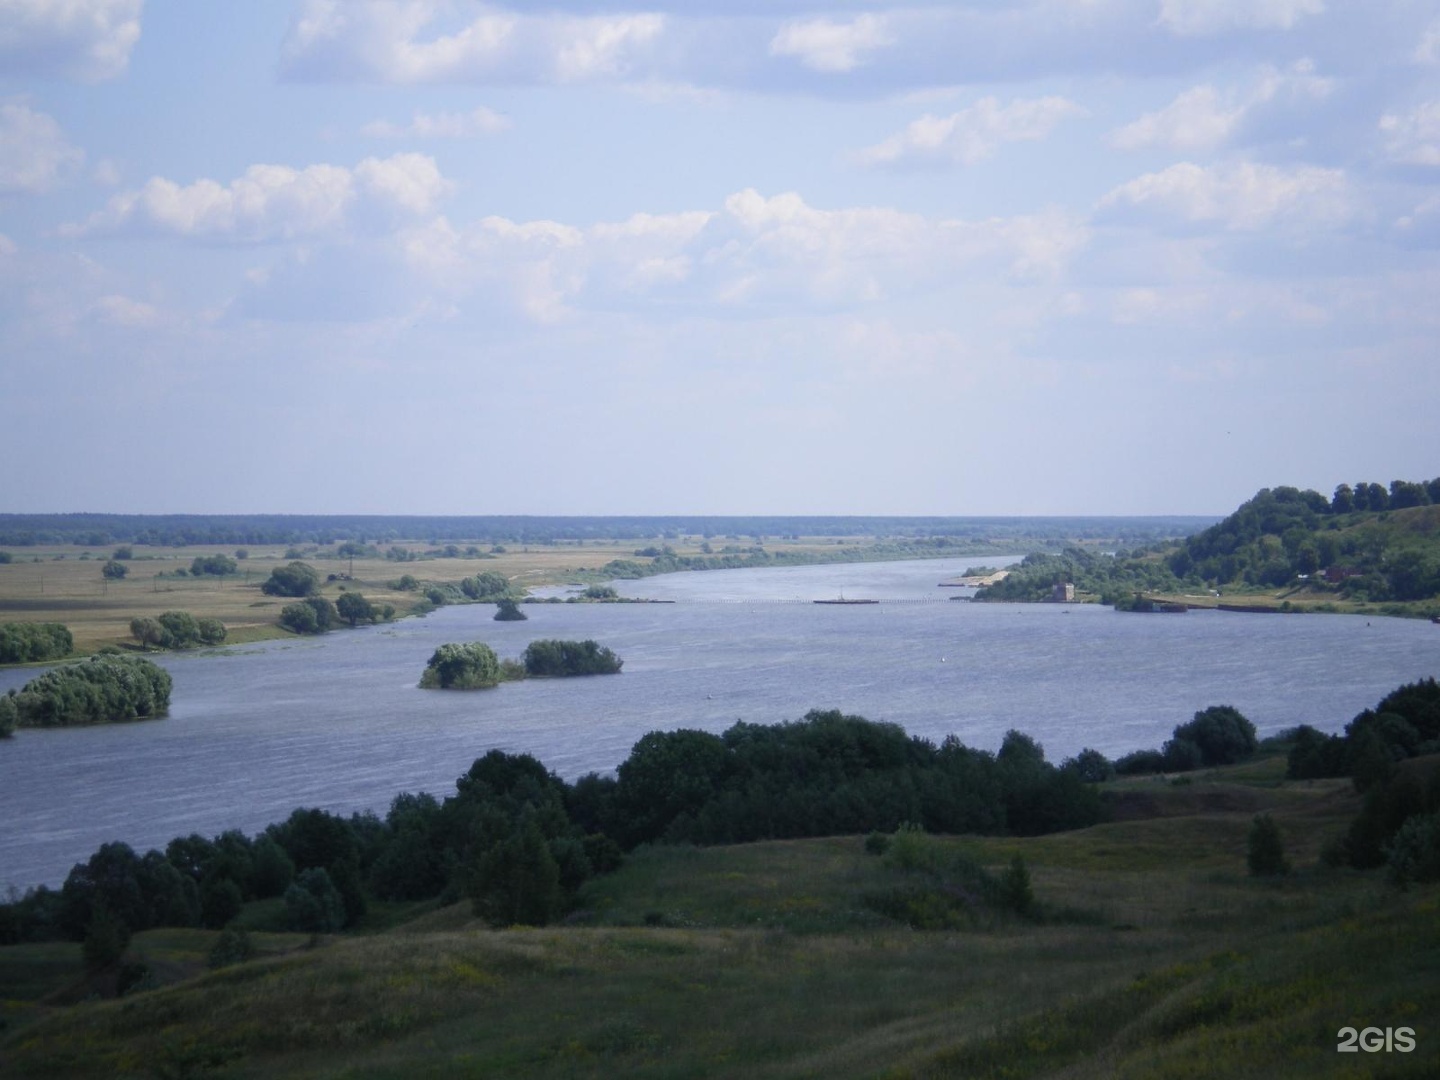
(1152,953)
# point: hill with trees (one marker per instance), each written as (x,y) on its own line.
(1364,544)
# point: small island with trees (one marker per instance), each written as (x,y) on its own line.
(103,689)
(474,665)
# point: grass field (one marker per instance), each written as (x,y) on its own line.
(62,584)
(1157,957)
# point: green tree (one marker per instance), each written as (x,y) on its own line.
(1223,735)
(9,715)
(147,631)
(1265,854)
(554,658)
(517,881)
(354,608)
(99,690)
(313,904)
(113,570)
(106,938)
(294,579)
(213,565)
(506,610)
(468,666)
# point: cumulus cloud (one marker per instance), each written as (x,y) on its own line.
(1201,17)
(825,45)
(397,41)
(82,39)
(34,155)
(274,202)
(1238,197)
(971,134)
(1413,138)
(445,125)
(756,253)
(1204,117)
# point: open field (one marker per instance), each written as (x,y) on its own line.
(1157,956)
(60,584)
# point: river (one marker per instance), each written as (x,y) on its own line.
(338,722)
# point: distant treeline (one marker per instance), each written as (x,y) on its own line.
(177,530)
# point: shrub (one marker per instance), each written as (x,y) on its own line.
(295,579)
(313,904)
(1265,853)
(470,666)
(1222,734)
(214,565)
(114,570)
(552,658)
(313,615)
(506,610)
(1414,854)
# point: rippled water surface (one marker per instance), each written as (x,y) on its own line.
(338,722)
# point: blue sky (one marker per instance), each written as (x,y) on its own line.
(437,256)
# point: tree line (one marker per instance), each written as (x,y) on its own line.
(28,643)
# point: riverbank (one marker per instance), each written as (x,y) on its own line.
(64,584)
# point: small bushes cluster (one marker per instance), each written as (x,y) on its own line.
(474,665)
(294,579)
(213,565)
(943,890)
(560,658)
(176,630)
(25,643)
(95,691)
(312,615)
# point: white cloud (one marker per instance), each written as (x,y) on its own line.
(411,182)
(755,254)
(34,155)
(1428,50)
(600,48)
(445,125)
(273,202)
(1414,138)
(1199,17)
(123,311)
(824,45)
(1203,117)
(396,41)
(1196,120)
(1242,197)
(83,39)
(972,134)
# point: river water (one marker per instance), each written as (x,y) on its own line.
(338,722)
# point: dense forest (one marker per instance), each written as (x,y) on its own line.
(1368,543)
(102,530)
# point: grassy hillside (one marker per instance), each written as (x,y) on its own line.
(1151,954)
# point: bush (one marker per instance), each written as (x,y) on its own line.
(313,615)
(1222,734)
(106,938)
(214,565)
(553,658)
(1414,854)
(1265,853)
(506,610)
(1140,762)
(313,905)
(296,579)
(471,666)
(114,571)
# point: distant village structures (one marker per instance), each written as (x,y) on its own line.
(1063,592)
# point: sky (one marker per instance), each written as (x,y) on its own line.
(719,256)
